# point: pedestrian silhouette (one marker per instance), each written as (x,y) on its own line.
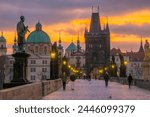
(64,80)
(72,78)
(130,80)
(89,77)
(106,78)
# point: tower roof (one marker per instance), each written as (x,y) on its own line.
(95,26)
(38,36)
(141,49)
(2,39)
(71,47)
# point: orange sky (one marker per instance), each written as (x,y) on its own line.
(69,30)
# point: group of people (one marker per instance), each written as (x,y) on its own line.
(106,78)
(65,79)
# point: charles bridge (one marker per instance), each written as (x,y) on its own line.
(84,89)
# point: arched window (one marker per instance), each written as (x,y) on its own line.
(36,49)
(2,46)
(45,50)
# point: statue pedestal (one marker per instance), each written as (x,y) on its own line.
(146,71)
(20,67)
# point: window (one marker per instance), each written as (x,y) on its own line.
(2,46)
(44,69)
(45,49)
(32,77)
(33,70)
(36,49)
(11,62)
(44,62)
(44,77)
(11,70)
(33,61)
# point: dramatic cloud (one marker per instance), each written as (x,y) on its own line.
(143,30)
(128,19)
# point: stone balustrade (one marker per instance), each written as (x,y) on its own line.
(145,84)
(31,91)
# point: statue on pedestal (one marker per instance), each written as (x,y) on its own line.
(147,51)
(21,31)
(21,57)
(146,63)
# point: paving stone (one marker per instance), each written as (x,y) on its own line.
(96,90)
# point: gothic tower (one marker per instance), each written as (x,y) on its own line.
(97,44)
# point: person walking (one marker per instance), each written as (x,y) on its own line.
(106,78)
(64,80)
(72,78)
(129,80)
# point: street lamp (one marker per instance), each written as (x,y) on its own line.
(64,62)
(53,56)
(125,62)
(113,66)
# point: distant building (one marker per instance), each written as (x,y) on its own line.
(38,45)
(76,55)
(134,60)
(97,44)
(3,48)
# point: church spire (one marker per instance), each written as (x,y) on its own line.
(59,41)
(141,49)
(1,34)
(107,26)
(78,42)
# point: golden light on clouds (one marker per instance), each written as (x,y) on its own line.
(69,30)
(136,18)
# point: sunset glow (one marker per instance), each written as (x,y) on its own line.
(125,28)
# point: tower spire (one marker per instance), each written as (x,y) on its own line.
(141,49)
(2,33)
(98,8)
(59,38)
(107,26)
(78,42)
(95,26)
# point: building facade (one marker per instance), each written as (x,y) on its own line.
(76,55)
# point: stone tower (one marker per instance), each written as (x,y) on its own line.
(97,44)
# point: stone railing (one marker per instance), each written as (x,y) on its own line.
(31,91)
(145,84)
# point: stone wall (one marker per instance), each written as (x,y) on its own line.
(145,84)
(30,91)
(50,86)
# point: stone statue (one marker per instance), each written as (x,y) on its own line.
(21,31)
(122,66)
(147,51)
(146,62)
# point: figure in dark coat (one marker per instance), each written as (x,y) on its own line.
(64,80)
(106,78)
(130,80)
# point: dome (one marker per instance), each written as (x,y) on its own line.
(2,39)
(71,47)
(38,36)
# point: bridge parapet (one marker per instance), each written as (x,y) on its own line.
(145,84)
(31,91)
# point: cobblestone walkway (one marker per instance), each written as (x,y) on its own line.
(95,90)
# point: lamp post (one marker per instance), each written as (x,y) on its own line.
(53,56)
(2,76)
